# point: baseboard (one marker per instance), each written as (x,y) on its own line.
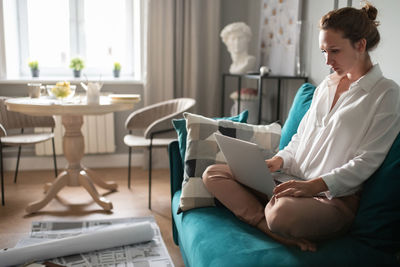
(160,160)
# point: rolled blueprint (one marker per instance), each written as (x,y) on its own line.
(112,236)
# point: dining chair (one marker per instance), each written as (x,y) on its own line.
(151,127)
(10,122)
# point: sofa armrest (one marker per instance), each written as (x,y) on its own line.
(176,168)
(176,178)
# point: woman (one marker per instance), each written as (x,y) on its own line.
(343,138)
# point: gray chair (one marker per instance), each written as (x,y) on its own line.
(151,126)
(11,121)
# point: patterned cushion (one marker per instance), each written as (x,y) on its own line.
(180,128)
(202,151)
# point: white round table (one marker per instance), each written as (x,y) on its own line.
(73,142)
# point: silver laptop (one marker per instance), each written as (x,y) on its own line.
(247,164)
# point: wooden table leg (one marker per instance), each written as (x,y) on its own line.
(86,182)
(98,181)
(75,174)
(61,181)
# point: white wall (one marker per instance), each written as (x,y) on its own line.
(387,53)
(312,59)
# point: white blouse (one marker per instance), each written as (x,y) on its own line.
(346,145)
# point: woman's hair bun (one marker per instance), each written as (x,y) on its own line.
(355,24)
(371,11)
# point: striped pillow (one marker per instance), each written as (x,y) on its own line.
(202,151)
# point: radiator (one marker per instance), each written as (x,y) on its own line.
(98,132)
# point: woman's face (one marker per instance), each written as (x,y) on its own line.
(339,53)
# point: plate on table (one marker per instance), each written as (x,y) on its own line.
(124,98)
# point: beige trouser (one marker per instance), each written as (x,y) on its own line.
(313,218)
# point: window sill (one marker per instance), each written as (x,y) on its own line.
(54,79)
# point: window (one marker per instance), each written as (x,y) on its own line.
(53,32)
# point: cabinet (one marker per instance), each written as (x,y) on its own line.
(260,79)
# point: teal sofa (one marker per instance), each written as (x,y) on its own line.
(213,236)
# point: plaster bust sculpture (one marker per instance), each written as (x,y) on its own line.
(236,36)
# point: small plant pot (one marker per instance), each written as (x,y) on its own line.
(116,73)
(77,73)
(35,72)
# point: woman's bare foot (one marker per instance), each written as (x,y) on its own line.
(303,244)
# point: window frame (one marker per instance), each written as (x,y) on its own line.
(134,33)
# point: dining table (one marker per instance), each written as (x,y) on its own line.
(72,112)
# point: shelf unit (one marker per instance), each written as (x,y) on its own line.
(260,79)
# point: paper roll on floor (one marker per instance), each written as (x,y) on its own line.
(112,236)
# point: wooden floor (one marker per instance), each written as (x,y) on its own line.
(74,203)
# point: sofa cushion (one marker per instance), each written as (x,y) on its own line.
(378,217)
(180,128)
(301,103)
(203,151)
(214,236)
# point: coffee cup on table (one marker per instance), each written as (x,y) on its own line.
(34,90)
(92,92)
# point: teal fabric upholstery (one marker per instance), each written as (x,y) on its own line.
(180,128)
(301,103)
(213,236)
(378,218)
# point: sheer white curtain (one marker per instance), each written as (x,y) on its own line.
(183,52)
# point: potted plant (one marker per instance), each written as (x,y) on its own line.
(34,66)
(117,69)
(77,65)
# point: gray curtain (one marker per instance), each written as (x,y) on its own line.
(2,45)
(183,52)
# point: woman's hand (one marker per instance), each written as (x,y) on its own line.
(274,164)
(300,188)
